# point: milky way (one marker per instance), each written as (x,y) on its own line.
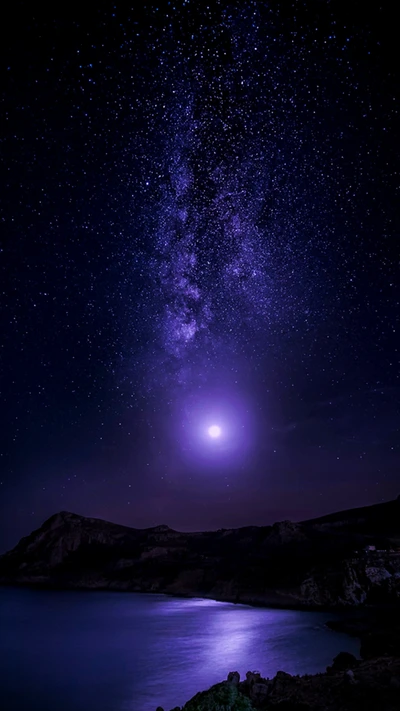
(201,228)
(256,172)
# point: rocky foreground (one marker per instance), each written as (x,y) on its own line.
(322,563)
(347,560)
(349,685)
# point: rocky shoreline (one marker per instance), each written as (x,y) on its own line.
(348,561)
(348,685)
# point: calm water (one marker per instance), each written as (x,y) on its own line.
(76,651)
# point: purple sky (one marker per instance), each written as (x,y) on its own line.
(200,223)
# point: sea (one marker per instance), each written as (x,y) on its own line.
(101,651)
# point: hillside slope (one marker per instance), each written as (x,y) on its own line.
(308,564)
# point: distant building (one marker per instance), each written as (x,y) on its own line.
(374,549)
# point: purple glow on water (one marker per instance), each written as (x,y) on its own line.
(128,652)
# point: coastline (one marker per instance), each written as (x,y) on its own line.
(362,623)
(348,685)
(349,682)
(373,626)
(273,602)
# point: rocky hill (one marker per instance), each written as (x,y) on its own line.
(378,520)
(317,563)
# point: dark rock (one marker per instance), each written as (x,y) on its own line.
(259,691)
(159,708)
(252,678)
(287,531)
(380,644)
(344,661)
(374,684)
(221,697)
(279,684)
(234,678)
(349,676)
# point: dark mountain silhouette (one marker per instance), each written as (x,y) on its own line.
(318,563)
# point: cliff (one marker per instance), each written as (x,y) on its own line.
(317,563)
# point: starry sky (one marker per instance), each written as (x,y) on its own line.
(199,228)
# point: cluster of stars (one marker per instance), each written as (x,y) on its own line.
(198,200)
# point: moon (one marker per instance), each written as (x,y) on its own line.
(214,431)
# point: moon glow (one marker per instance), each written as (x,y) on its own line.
(214,431)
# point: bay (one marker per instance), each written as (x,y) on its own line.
(100,651)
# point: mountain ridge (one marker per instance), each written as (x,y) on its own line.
(318,563)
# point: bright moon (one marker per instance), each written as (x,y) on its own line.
(214,431)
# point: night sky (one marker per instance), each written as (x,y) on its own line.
(199,229)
